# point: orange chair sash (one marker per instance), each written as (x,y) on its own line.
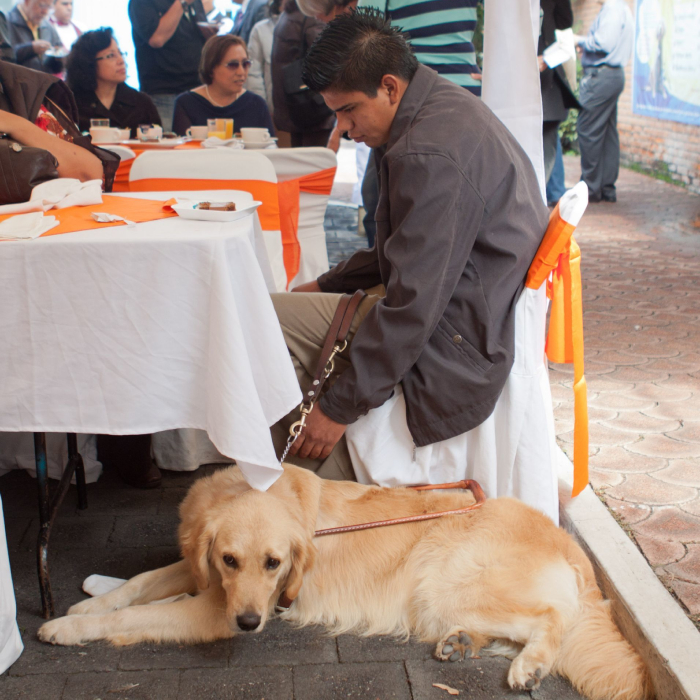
(560,256)
(321,183)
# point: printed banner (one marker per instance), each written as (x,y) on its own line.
(667,60)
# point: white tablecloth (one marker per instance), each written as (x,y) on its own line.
(137,330)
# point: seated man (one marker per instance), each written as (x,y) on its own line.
(459,220)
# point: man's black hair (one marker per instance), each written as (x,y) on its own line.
(355,51)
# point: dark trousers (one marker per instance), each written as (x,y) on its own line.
(555,184)
(598,139)
(370,198)
(550,138)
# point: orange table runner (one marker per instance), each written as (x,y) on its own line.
(80,218)
(560,255)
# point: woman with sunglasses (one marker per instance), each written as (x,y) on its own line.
(224,70)
(96,75)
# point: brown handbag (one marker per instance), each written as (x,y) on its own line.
(21,169)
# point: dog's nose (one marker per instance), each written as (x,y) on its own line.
(248,621)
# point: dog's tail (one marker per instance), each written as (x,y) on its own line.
(598,660)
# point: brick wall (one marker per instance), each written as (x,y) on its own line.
(655,144)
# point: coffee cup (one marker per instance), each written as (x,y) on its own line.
(106,134)
(255,135)
(198,133)
(150,132)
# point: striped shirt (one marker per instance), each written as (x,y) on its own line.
(441,34)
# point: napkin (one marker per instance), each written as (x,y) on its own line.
(216,142)
(67,192)
(27,226)
(105,218)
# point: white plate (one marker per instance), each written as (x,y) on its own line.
(270,143)
(56,53)
(187,211)
(162,143)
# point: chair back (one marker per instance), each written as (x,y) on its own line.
(314,170)
(218,169)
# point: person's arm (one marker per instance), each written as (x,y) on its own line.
(167,25)
(26,52)
(73,161)
(434,227)
(605,32)
(563,14)
(256,79)
(181,119)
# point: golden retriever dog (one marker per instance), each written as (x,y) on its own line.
(501,579)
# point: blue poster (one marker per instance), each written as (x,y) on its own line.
(667,60)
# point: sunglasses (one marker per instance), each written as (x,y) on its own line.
(235,65)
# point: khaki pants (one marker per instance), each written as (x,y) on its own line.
(305,320)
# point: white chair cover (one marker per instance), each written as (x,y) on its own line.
(289,164)
(10,640)
(123,152)
(512,453)
(216,164)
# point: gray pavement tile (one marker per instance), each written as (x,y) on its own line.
(266,683)
(40,658)
(146,531)
(171,498)
(362,649)
(282,644)
(151,685)
(84,532)
(152,656)
(368,681)
(157,557)
(46,687)
(15,529)
(479,679)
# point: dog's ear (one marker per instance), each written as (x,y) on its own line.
(196,544)
(303,556)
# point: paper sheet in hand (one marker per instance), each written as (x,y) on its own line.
(555,55)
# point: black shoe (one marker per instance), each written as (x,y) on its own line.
(609,197)
(140,475)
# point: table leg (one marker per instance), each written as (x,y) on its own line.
(48,507)
(42,544)
(74,455)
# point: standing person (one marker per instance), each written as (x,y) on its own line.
(223,70)
(260,52)
(292,39)
(31,35)
(460,217)
(252,12)
(97,75)
(168,46)
(7,53)
(62,21)
(557,97)
(605,51)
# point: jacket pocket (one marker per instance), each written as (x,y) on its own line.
(462,345)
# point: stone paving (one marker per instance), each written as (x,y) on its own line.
(641,310)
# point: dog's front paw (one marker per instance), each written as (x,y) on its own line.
(454,647)
(91,606)
(526,674)
(67,631)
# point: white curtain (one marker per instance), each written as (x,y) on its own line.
(10,641)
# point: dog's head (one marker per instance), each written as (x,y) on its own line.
(256,544)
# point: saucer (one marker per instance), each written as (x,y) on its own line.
(272,141)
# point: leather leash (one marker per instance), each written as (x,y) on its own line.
(285,601)
(336,342)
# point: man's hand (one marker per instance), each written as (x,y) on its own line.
(308,287)
(319,436)
(542,64)
(40,46)
(334,139)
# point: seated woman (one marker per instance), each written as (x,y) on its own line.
(37,109)
(96,75)
(224,70)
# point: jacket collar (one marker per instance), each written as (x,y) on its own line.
(411,102)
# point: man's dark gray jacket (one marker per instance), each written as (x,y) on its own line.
(459,219)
